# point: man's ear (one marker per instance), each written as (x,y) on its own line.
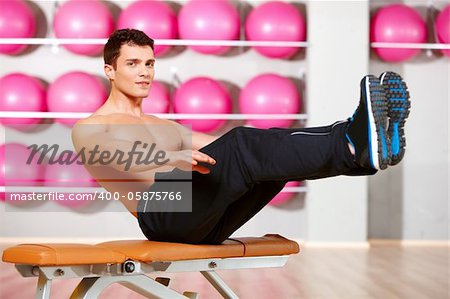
(109,71)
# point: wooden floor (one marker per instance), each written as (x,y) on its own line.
(383,271)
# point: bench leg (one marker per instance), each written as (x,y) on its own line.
(91,287)
(220,285)
(43,287)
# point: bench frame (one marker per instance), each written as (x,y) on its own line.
(131,274)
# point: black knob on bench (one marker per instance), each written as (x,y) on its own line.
(129,267)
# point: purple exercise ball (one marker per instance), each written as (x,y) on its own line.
(158,100)
(16,21)
(443,28)
(269,94)
(397,23)
(65,94)
(21,92)
(156,18)
(209,20)
(276,21)
(202,95)
(83,19)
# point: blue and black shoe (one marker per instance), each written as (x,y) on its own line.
(366,130)
(397,95)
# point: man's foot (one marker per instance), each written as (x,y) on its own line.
(397,95)
(366,130)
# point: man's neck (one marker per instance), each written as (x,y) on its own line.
(121,103)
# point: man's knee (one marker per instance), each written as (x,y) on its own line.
(241,130)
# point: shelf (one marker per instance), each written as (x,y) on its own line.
(42,189)
(169,42)
(185,42)
(77,115)
(410,45)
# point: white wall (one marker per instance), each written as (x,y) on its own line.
(337,60)
(411,200)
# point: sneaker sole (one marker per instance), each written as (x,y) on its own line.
(397,95)
(376,103)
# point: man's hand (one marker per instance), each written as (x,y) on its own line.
(188,160)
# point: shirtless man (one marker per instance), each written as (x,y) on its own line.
(119,122)
(232,177)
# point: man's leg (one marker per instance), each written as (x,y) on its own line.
(339,159)
(242,210)
(253,165)
(300,154)
(313,153)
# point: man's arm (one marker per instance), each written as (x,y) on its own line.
(194,140)
(200,140)
(91,136)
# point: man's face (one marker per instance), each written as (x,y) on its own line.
(134,72)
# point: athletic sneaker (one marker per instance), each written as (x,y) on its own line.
(397,95)
(366,130)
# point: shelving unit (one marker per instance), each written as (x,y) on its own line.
(55,44)
(330,68)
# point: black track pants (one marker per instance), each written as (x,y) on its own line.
(253,165)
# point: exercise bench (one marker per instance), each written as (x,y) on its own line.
(126,262)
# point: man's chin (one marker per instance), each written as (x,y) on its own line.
(141,95)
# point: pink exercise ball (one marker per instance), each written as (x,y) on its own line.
(202,95)
(158,100)
(75,92)
(69,175)
(284,197)
(16,21)
(397,23)
(83,19)
(20,92)
(276,21)
(14,170)
(269,94)
(156,18)
(209,20)
(443,28)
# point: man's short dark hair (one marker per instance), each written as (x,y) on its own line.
(131,37)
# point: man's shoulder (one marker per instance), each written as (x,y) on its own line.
(90,125)
(103,121)
(93,120)
(151,119)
